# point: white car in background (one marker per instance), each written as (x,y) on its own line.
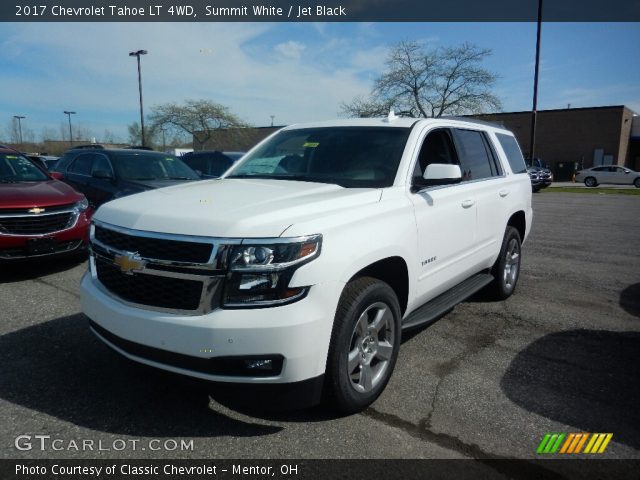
(614,174)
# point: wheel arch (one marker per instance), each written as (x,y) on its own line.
(393,271)
(518,221)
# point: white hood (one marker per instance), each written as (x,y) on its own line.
(232,207)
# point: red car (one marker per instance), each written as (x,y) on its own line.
(39,215)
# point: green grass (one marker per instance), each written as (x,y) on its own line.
(596,190)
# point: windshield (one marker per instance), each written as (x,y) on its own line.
(151,166)
(16,168)
(346,156)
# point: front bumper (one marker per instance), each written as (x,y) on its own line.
(297,333)
(69,241)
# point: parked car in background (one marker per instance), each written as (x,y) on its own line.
(613,174)
(47,162)
(211,163)
(545,176)
(534,176)
(103,174)
(39,215)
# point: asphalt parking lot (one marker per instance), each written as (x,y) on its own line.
(488,380)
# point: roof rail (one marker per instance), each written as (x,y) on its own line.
(87,146)
(474,120)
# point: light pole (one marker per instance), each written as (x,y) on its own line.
(19,118)
(534,111)
(137,55)
(68,114)
(272,117)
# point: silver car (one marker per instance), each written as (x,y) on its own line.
(610,174)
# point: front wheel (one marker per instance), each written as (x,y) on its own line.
(364,344)
(506,270)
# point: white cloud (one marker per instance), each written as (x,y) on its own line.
(86,67)
(290,49)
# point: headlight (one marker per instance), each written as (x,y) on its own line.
(260,271)
(82,205)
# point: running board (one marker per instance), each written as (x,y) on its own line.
(446,301)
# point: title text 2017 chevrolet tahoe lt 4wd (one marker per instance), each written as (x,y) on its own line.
(303,264)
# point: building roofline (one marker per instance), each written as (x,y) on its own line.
(607,107)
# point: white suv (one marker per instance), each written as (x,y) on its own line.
(305,262)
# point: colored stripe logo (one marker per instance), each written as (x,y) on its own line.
(572,443)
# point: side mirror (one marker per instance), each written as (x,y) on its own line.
(102,174)
(442,174)
(438,174)
(56,175)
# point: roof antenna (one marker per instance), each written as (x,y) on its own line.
(391,117)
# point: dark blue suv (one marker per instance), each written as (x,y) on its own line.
(103,174)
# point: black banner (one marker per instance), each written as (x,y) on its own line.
(320,469)
(318,11)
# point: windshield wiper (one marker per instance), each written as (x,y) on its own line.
(4,180)
(180,178)
(143,178)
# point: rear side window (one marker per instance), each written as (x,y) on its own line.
(475,161)
(513,153)
(82,164)
(101,163)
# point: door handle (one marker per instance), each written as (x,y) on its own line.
(468,203)
(503,193)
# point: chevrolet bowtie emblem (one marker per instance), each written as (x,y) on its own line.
(35,210)
(129,263)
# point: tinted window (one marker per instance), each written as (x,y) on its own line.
(436,148)
(601,169)
(346,156)
(474,159)
(141,165)
(197,162)
(82,164)
(513,153)
(101,163)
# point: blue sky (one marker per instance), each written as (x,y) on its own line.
(296,71)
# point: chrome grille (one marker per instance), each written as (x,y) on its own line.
(36,224)
(173,273)
(157,248)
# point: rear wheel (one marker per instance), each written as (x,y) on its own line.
(364,344)
(506,270)
(590,182)
(636,182)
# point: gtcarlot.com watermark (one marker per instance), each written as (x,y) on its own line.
(47,443)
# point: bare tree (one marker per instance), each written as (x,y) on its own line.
(423,82)
(198,118)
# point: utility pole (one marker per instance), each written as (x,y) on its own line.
(534,111)
(137,55)
(68,114)
(19,118)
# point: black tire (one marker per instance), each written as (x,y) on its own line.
(590,182)
(636,182)
(363,300)
(535,189)
(505,279)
